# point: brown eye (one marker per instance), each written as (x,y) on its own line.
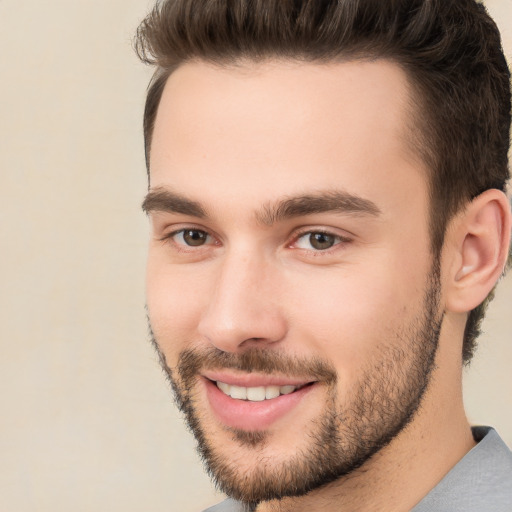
(318,241)
(321,241)
(193,237)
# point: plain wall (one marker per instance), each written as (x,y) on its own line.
(86,418)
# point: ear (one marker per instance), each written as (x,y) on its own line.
(478,250)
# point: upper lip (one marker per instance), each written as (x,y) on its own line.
(253,380)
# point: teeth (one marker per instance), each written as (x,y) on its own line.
(238,392)
(224,387)
(255,394)
(272,392)
(286,390)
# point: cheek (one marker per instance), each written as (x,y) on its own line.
(348,315)
(175,296)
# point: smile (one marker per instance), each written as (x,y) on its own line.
(255,394)
(253,403)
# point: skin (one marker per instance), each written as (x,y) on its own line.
(271,131)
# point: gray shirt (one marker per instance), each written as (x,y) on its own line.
(480,482)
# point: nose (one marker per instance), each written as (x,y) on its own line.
(243,309)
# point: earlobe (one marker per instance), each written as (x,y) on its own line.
(481,239)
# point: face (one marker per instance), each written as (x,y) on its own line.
(290,286)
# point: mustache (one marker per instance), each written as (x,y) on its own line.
(192,361)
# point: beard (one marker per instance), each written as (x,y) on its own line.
(385,399)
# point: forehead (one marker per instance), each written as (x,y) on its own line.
(284,127)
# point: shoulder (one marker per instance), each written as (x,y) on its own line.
(481,481)
(228,505)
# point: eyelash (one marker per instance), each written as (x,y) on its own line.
(184,247)
(338,240)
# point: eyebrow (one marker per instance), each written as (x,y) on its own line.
(164,200)
(161,200)
(321,202)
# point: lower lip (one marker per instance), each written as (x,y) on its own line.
(252,416)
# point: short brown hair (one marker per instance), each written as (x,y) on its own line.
(450,49)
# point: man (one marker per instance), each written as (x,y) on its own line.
(326,197)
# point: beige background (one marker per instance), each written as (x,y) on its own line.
(86,421)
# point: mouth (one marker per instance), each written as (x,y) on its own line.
(257,393)
(253,403)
